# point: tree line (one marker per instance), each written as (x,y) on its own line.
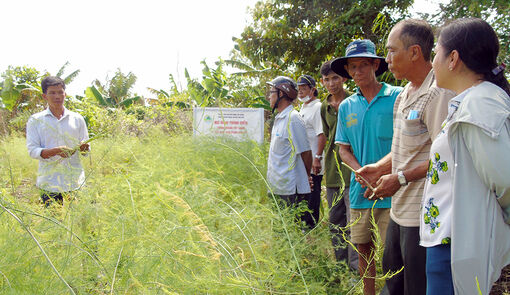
(285,37)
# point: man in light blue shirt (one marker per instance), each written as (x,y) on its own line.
(290,158)
(364,133)
(54,137)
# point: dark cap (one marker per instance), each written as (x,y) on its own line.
(285,84)
(358,48)
(306,80)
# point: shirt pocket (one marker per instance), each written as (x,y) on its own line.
(414,133)
(384,126)
(280,144)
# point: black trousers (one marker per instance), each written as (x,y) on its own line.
(293,201)
(402,248)
(313,202)
(49,197)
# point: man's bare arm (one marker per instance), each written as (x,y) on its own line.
(372,172)
(307,160)
(316,164)
(388,185)
(62,151)
(347,156)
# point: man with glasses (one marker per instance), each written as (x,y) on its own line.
(290,160)
(364,133)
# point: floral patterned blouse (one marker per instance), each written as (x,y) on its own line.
(436,207)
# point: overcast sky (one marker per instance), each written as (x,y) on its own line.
(151,38)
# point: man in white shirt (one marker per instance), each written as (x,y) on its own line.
(290,160)
(53,137)
(311,113)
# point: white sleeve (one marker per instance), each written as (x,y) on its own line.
(316,120)
(84,133)
(34,145)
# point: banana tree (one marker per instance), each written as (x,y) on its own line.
(108,101)
(173,97)
(69,78)
(20,89)
(213,89)
(115,92)
(18,96)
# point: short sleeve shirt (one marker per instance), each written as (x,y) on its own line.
(368,129)
(311,114)
(286,171)
(417,121)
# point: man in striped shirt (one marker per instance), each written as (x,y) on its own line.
(418,113)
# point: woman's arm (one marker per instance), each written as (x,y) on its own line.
(491,158)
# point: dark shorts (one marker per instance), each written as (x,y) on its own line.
(49,197)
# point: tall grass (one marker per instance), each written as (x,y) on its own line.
(160,214)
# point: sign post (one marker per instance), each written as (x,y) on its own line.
(239,123)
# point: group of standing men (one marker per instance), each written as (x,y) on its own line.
(383,132)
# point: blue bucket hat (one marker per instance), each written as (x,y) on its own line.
(358,48)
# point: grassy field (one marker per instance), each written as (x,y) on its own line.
(160,214)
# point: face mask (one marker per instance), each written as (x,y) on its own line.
(304,99)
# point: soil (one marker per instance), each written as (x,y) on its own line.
(502,285)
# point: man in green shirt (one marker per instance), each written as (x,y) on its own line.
(338,204)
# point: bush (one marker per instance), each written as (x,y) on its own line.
(135,120)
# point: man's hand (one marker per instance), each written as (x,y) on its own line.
(310,181)
(387,186)
(84,147)
(370,173)
(64,151)
(316,166)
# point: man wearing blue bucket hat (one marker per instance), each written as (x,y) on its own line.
(364,133)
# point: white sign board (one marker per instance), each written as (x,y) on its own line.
(240,123)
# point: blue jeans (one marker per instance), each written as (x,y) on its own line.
(439,270)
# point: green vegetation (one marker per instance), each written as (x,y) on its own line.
(160,214)
(115,92)
(163,213)
(304,34)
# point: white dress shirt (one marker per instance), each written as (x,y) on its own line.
(44,131)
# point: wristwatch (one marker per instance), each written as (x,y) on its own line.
(401,178)
(318,157)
